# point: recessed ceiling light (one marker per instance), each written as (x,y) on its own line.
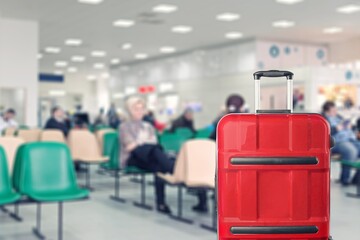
(115,61)
(118,95)
(126,46)
(57,93)
(234,35)
(141,56)
(98,53)
(332,30)
(167,49)
(99,65)
(283,24)
(61,63)
(73,42)
(72,69)
(123,23)
(228,17)
(58,72)
(90,1)
(105,75)
(348,9)
(39,56)
(182,29)
(165,8)
(78,58)
(91,77)
(289,2)
(52,50)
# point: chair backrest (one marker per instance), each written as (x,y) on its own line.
(52,135)
(10,146)
(171,142)
(83,144)
(111,149)
(203,133)
(180,166)
(29,135)
(45,167)
(9,131)
(5,183)
(100,137)
(184,132)
(200,157)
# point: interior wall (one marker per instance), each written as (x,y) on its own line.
(18,50)
(345,51)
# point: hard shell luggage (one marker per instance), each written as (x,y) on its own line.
(273,173)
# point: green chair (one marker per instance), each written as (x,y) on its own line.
(111,149)
(172,142)
(355,165)
(101,127)
(203,133)
(46,174)
(185,133)
(7,194)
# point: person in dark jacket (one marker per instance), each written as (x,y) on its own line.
(57,121)
(186,120)
(234,104)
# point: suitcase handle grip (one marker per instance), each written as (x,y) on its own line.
(273,74)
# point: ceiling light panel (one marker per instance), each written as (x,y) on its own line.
(94,2)
(181,29)
(228,17)
(58,72)
(99,65)
(125,23)
(61,63)
(283,24)
(115,61)
(289,2)
(73,42)
(78,58)
(72,69)
(91,77)
(52,50)
(98,53)
(233,35)
(141,56)
(348,9)
(167,49)
(127,46)
(165,8)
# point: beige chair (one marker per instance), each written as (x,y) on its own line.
(29,135)
(52,135)
(100,137)
(10,145)
(85,149)
(9,131)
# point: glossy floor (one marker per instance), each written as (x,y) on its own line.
(100,218)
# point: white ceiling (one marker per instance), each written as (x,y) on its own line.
(63,19)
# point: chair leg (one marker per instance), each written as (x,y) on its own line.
(135,179)
(60,221)
(213,226)
(179,217)
(142,203)
(15,215)
(37,229)
(116,197)
(357,194)
(88,178)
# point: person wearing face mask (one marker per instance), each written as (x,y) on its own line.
(234,104)
(57,120)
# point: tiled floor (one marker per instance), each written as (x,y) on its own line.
(100,218)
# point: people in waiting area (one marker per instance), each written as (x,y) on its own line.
(345,141)
(7,120)
(234,104)
(186,120)
(113,117)
(100,118)
(139,147)
(57,120)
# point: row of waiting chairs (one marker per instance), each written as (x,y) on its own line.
(38,179)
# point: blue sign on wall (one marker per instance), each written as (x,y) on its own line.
(274,51)
(46,77)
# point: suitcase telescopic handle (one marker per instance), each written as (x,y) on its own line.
(289,89)
(273,74)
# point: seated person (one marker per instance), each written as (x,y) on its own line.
(139,148)
(345,141)
(7,120)
(186,120)
(57,121)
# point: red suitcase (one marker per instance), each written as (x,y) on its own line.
(273,173)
